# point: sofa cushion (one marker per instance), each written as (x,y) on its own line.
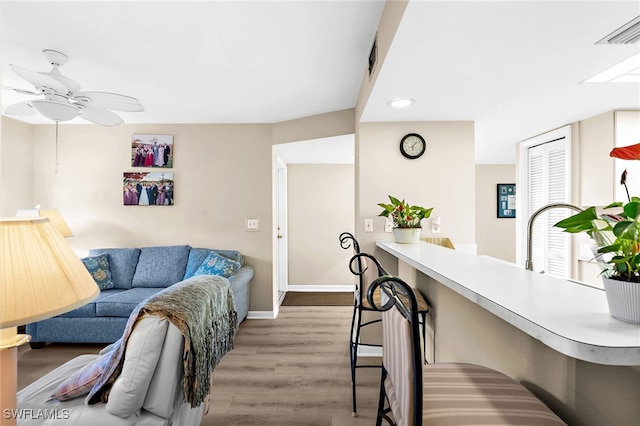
(161,395)
(214,264)
(161,266)
(98,267)
(140,359)
(122,263)
(121,304)
(198,255)
(89,310)
(81,381)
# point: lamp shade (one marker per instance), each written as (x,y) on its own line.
(40,275)
(57,221)
(54,216)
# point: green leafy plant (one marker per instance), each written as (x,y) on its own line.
(404,215)
(617,236)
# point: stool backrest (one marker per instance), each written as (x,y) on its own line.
(367,268)
(401,355)
(363,265)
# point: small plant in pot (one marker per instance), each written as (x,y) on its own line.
(406,219)
(617,238)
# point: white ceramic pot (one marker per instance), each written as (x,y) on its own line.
(623,298)
(407,235)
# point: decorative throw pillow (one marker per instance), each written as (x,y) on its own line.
(81,382)
(98,267)
(214,264)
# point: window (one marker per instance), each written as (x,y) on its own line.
(546,174)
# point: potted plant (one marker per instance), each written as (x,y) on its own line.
(406,219)
(617,238)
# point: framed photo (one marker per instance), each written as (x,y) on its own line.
(148,189)
(151,150)
(506,200)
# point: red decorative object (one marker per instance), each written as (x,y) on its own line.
(631,152)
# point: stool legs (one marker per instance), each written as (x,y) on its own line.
(353,354)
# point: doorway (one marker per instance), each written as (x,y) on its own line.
(304,226)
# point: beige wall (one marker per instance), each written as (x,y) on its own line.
(593,170)
(320,207)
(495,237)
(318,126)
(15,167)
(223,173)
(389,21)
(443,178)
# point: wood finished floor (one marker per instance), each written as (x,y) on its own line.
(291,371)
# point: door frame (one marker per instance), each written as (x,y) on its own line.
(279,231)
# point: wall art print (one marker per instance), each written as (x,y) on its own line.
(148,189)
(151,150)
(506,200)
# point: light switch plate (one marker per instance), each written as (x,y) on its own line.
(252,224)
(368,225)
(388,226)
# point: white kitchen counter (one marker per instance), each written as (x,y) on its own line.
(571,318)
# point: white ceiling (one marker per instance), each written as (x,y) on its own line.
(513,67)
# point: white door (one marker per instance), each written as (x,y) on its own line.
(548,179)
(281,231)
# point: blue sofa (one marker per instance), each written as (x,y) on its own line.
(135,274)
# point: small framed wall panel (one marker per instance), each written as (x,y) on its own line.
(506,200)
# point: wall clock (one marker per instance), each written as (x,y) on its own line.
(412,146)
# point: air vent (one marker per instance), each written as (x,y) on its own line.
(626,34)
(373,56)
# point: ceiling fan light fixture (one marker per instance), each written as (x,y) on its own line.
(55,111)
(400,102)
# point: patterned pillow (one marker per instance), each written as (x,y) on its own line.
(81,382)
(214,264)
(98,267)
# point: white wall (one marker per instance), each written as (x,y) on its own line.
(320,207)
(495,237)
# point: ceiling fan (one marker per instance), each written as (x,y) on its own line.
(63,99)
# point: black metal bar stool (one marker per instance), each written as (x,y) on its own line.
(367,268)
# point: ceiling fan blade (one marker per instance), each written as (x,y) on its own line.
(21,108)
(40,80)
(100,116)
(71,85)
(21,91)
(110,101)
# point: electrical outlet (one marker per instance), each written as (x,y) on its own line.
(435,225)
(368,225)
(252,224)
(388,226)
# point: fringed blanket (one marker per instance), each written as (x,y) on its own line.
(202,309)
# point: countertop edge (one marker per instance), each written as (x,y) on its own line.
(621,356)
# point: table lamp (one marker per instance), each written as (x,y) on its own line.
(54,216)
(40,277)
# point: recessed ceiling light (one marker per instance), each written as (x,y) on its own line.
(623,72)
(400,102)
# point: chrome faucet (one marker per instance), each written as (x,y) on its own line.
(529,264)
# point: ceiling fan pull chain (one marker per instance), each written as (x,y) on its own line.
(56,169)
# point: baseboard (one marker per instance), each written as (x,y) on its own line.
(322,288)
(261,315)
